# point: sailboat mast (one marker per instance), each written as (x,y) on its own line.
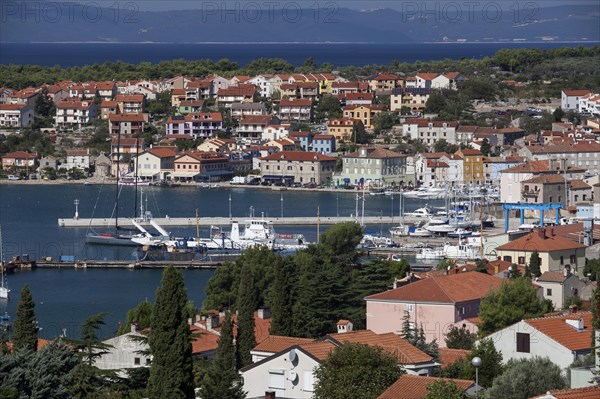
(318,223)
(198,228)
(137,158)
(118,174)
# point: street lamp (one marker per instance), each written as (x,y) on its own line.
(229,206)
(476,362)
(282,206)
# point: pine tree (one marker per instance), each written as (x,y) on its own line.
(246,304)
(282,298)
(170,341)
(26,328)
(407,330)
(222,379)
(534,264)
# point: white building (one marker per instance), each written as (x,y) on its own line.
(570,99)
(75,113)
(429,132)
(275,132)
(563,339)
(78,159)
(560,285)
(16,115)
(124,353)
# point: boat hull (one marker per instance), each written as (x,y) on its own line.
(110,240)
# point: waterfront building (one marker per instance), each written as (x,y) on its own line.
(78,159)
(298,167)
(156,163)
(373,166)
(201,166)
(19,159)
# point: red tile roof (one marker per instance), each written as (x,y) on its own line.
(540,241)
(299,102)
(256,120)
(377,153)
(546,179)
(402,350)
(20,155)
(108,104)
(415,387)
(469,152)
(162,151)
(572,93)
(277,343)
(133,117)
(592,392)
(528,167)
(553,277)
(240,90)
(130,98)
(558,330)
(77,153)
(449,356)
(318,349)
(450,288)
(427,76)
(12,107)
(298,156)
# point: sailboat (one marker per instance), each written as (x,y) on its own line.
(3,288)
(120,236)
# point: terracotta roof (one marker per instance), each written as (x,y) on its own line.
(528,167)
(415,387)
(437,164)
(571,93)
(391,343)
(130,98)
(324,137)
(427,76)
(162,152)
(240,90)
(301,134)
(77,153)
(449,356)
(41,343)
(541,242)
(12,107)
(553,277)
(385,76)
(579,184)
(450,288)
(372,107)
(203,341)
(277,343)
(452,75)
(469,152)
(298,156)
(108,104)
(546,179)
(133,117)
(378,153)
(256,120)
(433,155)
(557,329)
(191,103)
(20,155)
(356,96)
(592,392)
(302,102)
(319,349)
(341,122)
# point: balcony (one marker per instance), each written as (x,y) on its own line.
(530,193)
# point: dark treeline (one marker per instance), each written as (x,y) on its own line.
(530,63)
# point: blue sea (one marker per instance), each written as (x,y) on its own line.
(360,54)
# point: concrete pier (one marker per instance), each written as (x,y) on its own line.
(225,221)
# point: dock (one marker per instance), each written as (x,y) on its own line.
(226,221)
(128,264)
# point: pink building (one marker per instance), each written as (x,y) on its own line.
(435,303)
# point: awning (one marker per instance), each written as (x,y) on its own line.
(346,179)
(185,174)
(271,177)
(210,173)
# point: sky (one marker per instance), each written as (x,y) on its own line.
(161,5)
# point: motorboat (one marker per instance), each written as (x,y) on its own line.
(133,181)
(460,233)
(426,193)
(399,231)
(430,254)
(441,228)
(261,232)
(449,251)
(420,213)
(419,232)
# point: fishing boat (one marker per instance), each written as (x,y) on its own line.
(261,232)
(420,213)
(3,287)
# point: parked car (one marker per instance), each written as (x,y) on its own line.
(13,177)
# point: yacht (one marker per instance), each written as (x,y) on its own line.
(399,231)
(419,232)
(460,233)
(420,213)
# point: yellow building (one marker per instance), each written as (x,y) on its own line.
(364,113)
(342,128)
(555,252)
(472,165)
(385,82)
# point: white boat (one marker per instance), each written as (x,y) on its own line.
(3,287)
(261,232)
(420,213)
(399,231)
(132,181)
(427,193)
(460,233)
(441,228)
(430,254)
(420,232)
(449,251)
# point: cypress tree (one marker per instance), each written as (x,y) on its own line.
(170,341)
(222,379)
(282,299)
(246,304)
(534,264)
(26,328)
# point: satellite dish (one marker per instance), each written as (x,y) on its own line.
(292,356)
(293,377)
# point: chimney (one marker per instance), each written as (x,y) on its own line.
(264,313)
(567,271)
(551,231)
(344,326)
(134,327)
(541,233)
(576,324)
(573,309)
(270,395)
(212,321)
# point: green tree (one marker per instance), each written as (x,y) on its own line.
(25,326)
(86,378)
(592,269)
(328,107)
(246,305)
(460,338)
(141,315)
(221,379)
(445,390)
(526,378)
(491,363)
(515,300)
(360,135)
(558,114)
(356,371)
(408,332)
(170,341)
(384,121)
(282,299)
(435,103)
(486,149)
(534,264)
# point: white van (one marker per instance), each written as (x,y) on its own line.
(13,177)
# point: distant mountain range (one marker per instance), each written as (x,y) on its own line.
(73,22)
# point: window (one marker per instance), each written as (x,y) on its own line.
(148,361)
(522,342)
(562,260)
(276,379)
(507,259)
(573,259)
(410,307)
(136,361)
(309,381)
(548,291)
(521,260)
